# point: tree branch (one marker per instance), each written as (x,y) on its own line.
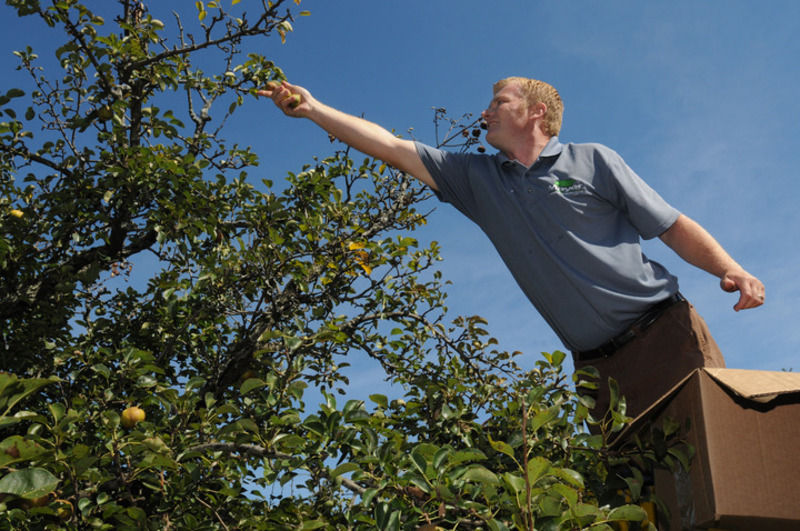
(255,29)
(33,157)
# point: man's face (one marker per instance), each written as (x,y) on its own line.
(506,117)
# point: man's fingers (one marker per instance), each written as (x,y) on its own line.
(282,95)
(751,290)
(744,303)
(748,301)
(272,88)
(269,89)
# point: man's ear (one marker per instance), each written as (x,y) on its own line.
(538,111)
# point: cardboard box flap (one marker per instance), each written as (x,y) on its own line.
(759,386)
(651,411)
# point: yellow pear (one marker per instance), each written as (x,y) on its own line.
(132,416)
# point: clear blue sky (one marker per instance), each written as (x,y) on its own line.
(699,97)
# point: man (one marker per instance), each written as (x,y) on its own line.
(567,220)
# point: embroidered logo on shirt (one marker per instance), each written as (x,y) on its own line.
(566,187)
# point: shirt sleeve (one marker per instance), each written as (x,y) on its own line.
(450,172)
(646,210)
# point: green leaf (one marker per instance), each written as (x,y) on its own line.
(313,524)
(368,495)
(502,447)
(514,484)
(393,524)
(537,467)
(29,483)
(544,417)
(670,426)
(293,342)
(156,444)
(57,411)
(635,483)
(314,425)
(146,381)
(419,460)
(480,474)
(550,505)
(291,442)
(684,458)
(613,388)
(440,456)
(628,512)
(13,389)
(344,468)
(248,424)
(15,93)
(470,454)
(496,525)
(17,448)
(447,412)
(250,384)
(569,494)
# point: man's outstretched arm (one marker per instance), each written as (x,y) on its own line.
(360,134)
(695,245)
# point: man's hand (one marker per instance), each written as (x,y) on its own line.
(751,290)
(293,100)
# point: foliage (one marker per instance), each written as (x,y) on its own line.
(139,267)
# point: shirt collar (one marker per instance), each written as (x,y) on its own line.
(553,148)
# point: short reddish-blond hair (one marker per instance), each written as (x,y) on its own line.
(536,91)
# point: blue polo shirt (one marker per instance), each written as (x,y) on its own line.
(569,230)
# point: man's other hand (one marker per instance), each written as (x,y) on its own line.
(751,290)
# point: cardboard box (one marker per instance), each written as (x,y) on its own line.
(745,428)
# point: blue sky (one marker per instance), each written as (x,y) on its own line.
(699,97)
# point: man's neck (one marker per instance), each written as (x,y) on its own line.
(528,153)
